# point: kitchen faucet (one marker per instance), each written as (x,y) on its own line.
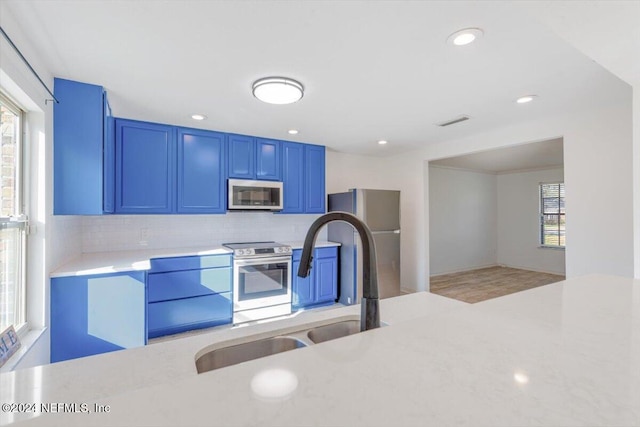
(370,311)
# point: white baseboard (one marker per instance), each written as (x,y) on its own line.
(558,273)
(519,267)
(462,270)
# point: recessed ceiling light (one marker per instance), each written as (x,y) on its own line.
(382,142)
(293,131)
(198,117)
(525,99)
(278,90)
(465,36)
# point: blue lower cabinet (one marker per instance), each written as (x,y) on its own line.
(97,314)
(190,292)
(303,289)
(174,316)
(187,284)
(321,286)
(326,273)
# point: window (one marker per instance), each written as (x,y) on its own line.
(552,215)
(13,222)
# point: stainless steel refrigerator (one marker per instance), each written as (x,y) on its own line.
(380,210)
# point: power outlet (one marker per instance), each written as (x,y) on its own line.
(144,236)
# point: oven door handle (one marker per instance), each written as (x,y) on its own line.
(260,261)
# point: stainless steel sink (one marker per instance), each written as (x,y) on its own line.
(232,355)
(333,331)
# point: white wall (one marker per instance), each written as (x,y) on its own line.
(346,171)
(54,240)
(462,220)
(598,158)
(519,222)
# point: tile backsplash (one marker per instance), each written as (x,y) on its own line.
(131,232)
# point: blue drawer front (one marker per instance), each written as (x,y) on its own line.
(171,317)
(159,265)
(331,252)
(189,283)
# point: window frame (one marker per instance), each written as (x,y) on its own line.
(19,219)
(542,214)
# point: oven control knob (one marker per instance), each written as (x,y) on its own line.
(278,250)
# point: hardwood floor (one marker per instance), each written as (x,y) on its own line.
(486,283)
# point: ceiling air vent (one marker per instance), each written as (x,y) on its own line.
(453,121)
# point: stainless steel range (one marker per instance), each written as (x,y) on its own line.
(261,280)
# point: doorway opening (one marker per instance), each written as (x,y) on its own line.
(497,221)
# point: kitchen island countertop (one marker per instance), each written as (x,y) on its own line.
(565,354)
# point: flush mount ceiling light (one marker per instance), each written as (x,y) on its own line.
(278,90)
(292,131)
(198,117)
(465,36)
(525,99)
(382,142)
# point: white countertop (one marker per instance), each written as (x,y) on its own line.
(566,354)
(121,261)
(165,361)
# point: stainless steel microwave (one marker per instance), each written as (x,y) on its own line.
(254,195)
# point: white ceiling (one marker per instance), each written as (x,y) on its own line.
(372,70)
(525,157)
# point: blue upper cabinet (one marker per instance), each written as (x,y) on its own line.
(242,157)
(254,158)
(268,159)
(293,177)
(201,173)
(303,178)
(80,139)
(109,161)
(145,167)
(314,163)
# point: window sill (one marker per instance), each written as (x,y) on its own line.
(27,341)
(553,248)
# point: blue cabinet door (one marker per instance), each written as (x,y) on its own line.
(242,153)
(97,314)
(326,275)
(78,137)
(303,291)
(145,167)
(268,159)
(321,286)
(293,177)
(314,179)
(201,173)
